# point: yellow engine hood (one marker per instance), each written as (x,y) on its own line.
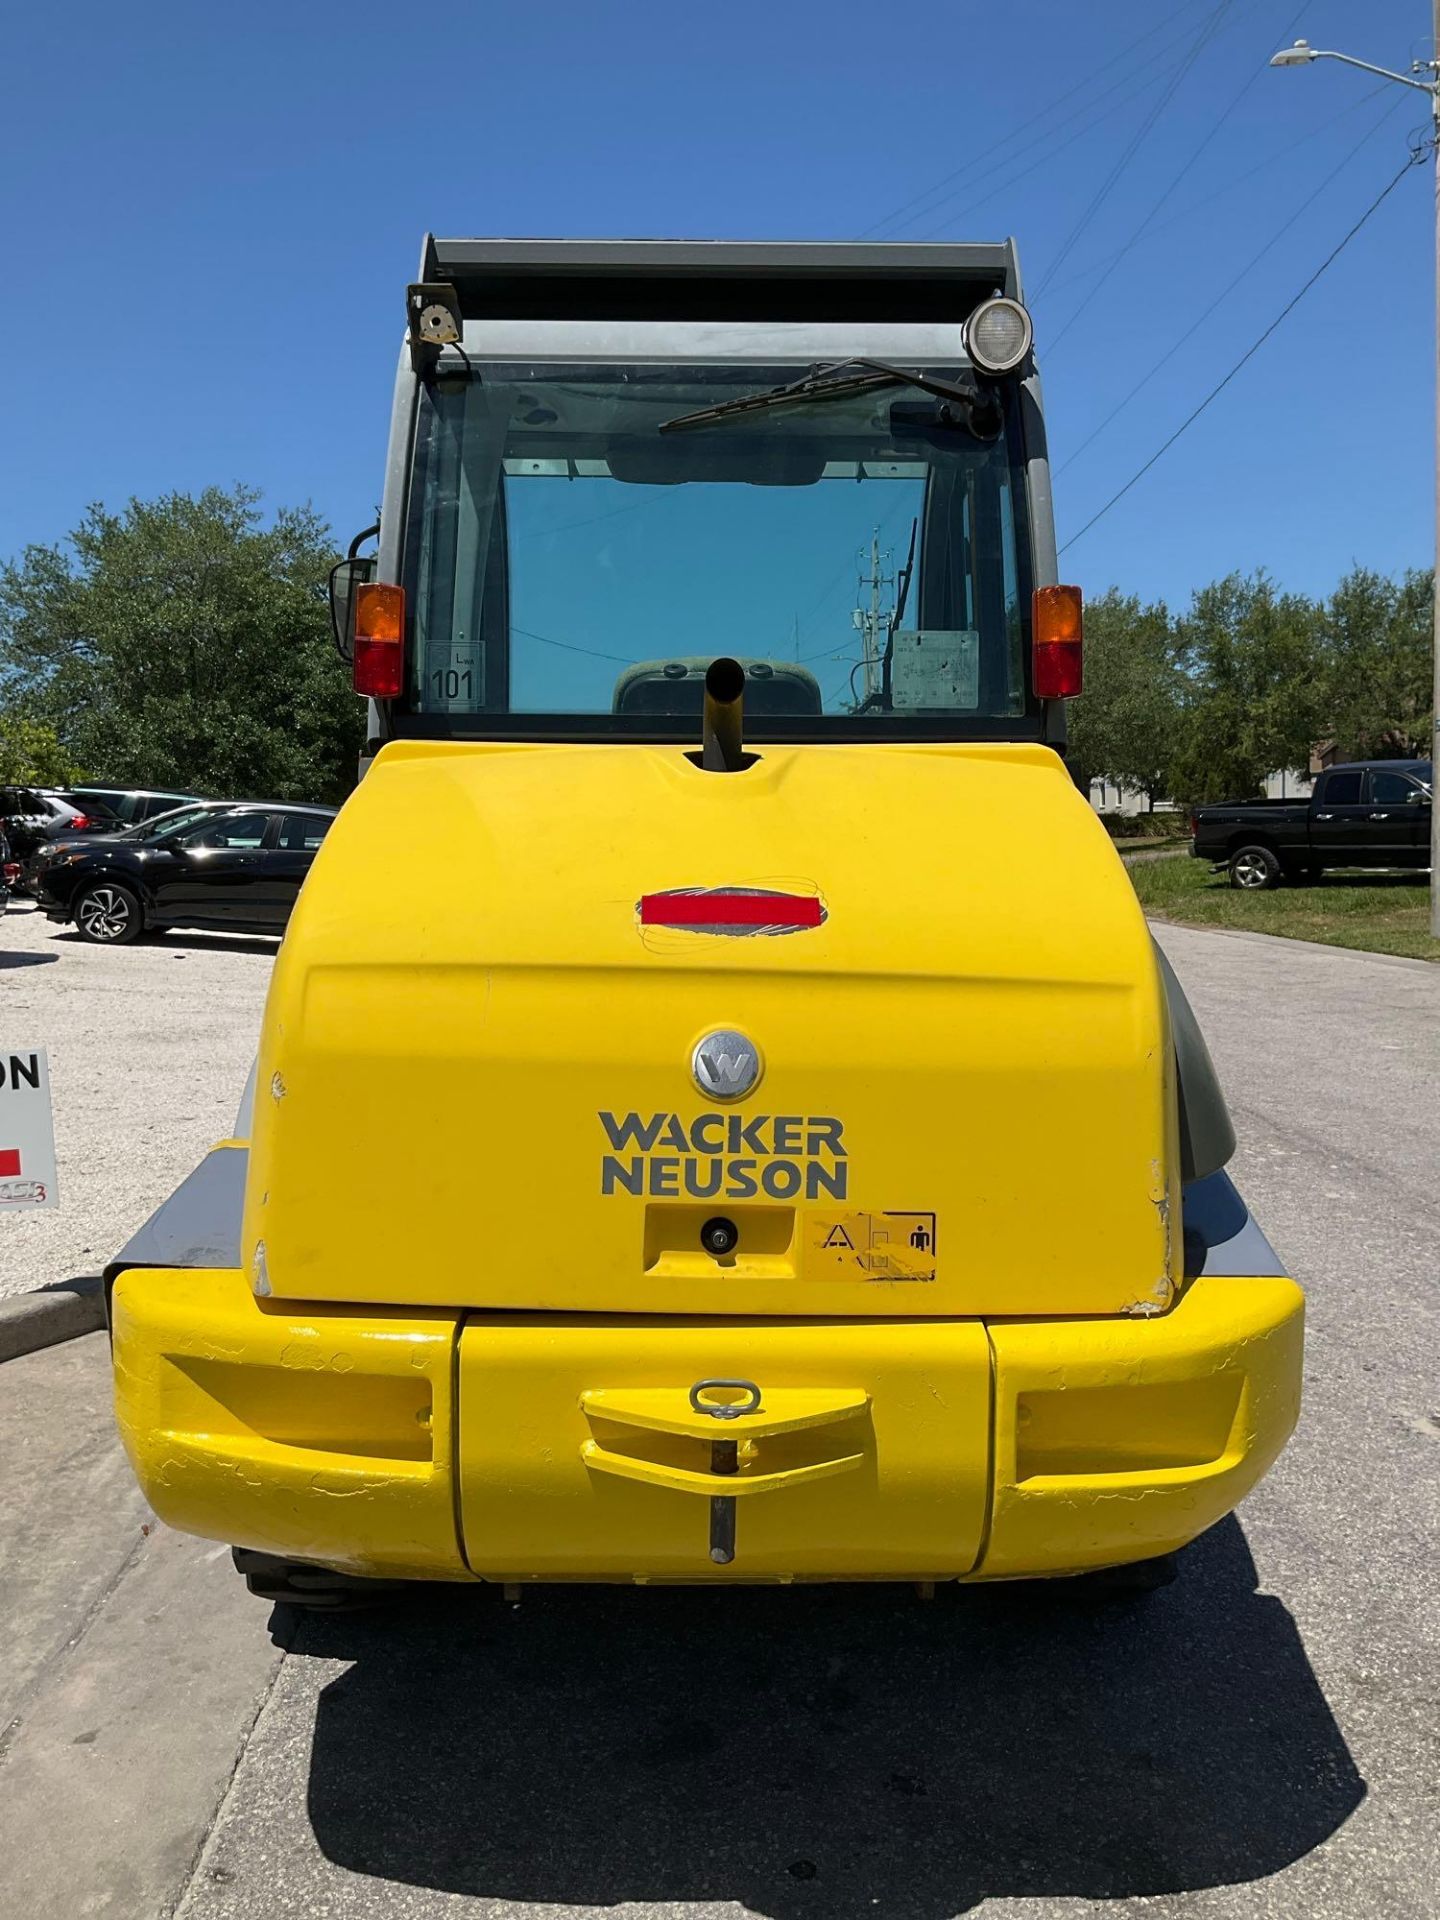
(476,1082)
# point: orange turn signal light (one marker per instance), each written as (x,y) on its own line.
(1057,629)
(379,666)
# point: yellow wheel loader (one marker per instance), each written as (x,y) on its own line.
(720,1114)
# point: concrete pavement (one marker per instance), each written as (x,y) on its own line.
(149,1048)
(1256,1740)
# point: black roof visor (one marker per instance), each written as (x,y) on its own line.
(717,280)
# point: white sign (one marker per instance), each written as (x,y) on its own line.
(27,1132)
(933,669)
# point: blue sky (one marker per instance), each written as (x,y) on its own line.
(210,215)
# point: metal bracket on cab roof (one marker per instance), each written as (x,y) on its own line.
(432,314)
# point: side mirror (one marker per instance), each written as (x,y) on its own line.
(345,577)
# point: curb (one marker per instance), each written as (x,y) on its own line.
(64,1311)
(1273,940)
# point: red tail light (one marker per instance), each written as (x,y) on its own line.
(10,873)
(1057,629)
(81,822)
(379,640)
(1194,825)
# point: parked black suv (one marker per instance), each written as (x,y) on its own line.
(131,804)
(31,815)
(1371,813)
(225,865)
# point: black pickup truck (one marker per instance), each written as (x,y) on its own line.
(1370,813)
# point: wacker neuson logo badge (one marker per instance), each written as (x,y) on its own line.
(725,1156)
(725,1064)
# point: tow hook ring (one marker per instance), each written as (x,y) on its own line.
(725,1410)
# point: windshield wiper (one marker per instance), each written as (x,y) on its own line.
(824,383)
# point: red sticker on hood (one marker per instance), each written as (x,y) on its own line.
(732,910)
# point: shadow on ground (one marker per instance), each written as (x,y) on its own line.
(8,960)
(835,1752)
(265,945)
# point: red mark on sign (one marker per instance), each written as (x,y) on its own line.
(9,1163)
(738,910)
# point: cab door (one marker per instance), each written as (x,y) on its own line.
(1399,817)
(209,876)
(1340,827)
(285,859)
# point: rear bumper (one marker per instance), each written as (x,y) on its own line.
(384,1443)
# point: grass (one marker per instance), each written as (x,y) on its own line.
(1382,913)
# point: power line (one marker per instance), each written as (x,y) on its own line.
(1044,117)
(1176,178)
(1250,352)
(1280,233)
(1316,132)
(1043,159)
(1209,27)
(568,646)
(1046,153)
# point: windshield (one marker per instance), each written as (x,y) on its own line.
(866,556)
(161,824)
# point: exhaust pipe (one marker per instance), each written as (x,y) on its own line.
(721,746)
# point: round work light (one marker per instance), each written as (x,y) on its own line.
(998,335)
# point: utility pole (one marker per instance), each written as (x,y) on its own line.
(1301,55)
(870,621)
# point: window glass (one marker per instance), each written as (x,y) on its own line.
(301,832)
(176,821)
(96,805)
(1341,790)
(1391,789)
(864,554)
(230,830)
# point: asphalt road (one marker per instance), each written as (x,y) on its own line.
(1258,1739)
(149,1048)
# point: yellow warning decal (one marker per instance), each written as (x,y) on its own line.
(870,1246)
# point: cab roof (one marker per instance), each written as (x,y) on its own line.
(719,279)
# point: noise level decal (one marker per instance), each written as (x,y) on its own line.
(869,1246)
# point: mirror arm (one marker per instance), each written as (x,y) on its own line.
(340,631)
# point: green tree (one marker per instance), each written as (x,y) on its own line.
(31,754)
(1378,643)
(1254,696)
(1123,727)
(186,643)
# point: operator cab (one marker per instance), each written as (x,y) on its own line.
(611,464)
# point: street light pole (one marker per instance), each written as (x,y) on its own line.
(1435,612)
(1301,55)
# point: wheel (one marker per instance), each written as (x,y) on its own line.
(108,914)
(1253,868)
(296,1583)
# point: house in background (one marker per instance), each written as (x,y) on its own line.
(1106,797)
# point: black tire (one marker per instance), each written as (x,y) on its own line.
(311,1589)
(108,914)
(1253,868)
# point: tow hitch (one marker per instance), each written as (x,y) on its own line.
(661,1410)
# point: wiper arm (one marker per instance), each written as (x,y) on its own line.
(824,383)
